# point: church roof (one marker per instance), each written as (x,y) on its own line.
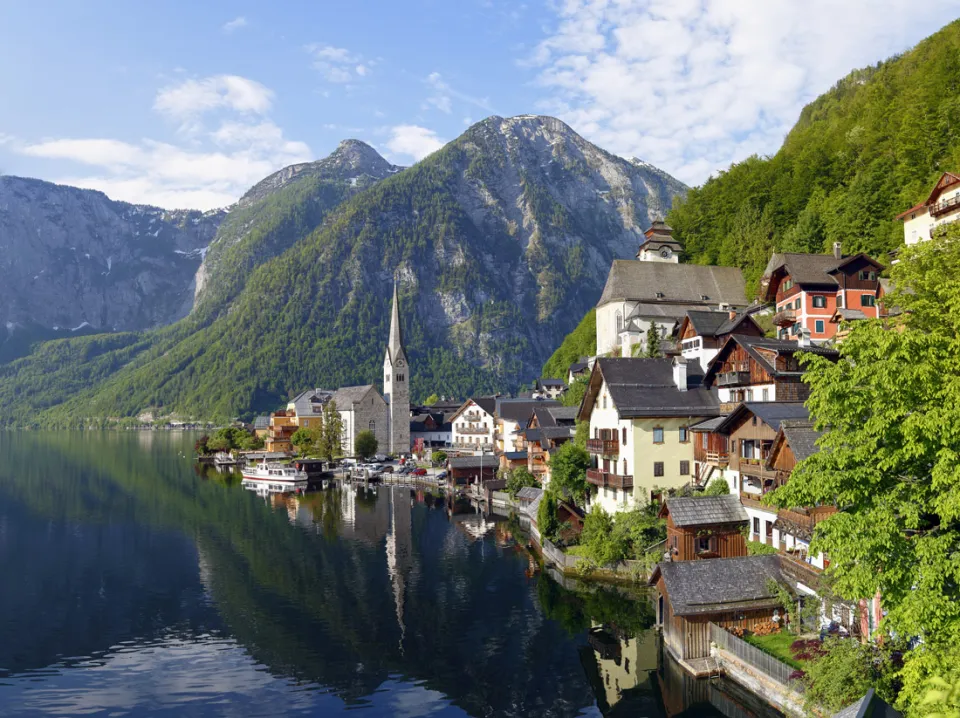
(347,396)
(395,349)
(693,284)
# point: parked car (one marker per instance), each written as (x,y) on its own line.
(388,469)
(419,472)
(380,457)
(442,476)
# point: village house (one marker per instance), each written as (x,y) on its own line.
(808,289)
(759,369)
(261,426)
(639,412)
(702,333)
(578,369)
(704,527)
(431,430)
(730,592)
(473,426)
(283,425)
(469,470)
(511,416)
(548,388)
(548,428)
(941,206)
(655,289)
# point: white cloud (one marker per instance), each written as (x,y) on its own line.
(337,64)
(235,24)
(193,97)
(414,141)
(693,85)
(443,94)
(238,148)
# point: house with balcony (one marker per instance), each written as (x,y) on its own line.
(756,369)
(548,428)
(546,388)
(512,416)
(808,289)
(702,333)
(473,426)
(942,206)
(639,412)
(702,527)
(283,424)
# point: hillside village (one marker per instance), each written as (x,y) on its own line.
(693,411)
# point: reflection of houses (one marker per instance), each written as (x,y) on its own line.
(731,592)
(616,665)
(701,527)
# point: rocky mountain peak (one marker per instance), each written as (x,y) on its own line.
(358,155)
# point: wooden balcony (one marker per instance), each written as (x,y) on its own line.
(785,318)
(472,430)
(473,416)
(605,479)
(464,446)
(604,447)
(806,518)
(945,206)
(733,378)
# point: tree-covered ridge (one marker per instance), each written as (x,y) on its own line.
(498,241)
(859,155)
(581,342)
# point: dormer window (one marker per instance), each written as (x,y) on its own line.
(659,295)
(787,285)
(704,297)
(867,276)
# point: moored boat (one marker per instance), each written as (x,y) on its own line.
(274,473)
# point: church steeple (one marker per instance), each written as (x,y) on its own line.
(395,348)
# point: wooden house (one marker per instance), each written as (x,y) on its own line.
(702,333)
(731,592)
(702,527)
(760,369)
(463,470)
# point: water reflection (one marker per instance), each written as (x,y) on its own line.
(145,587)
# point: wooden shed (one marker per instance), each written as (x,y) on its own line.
(700,527)
(731,592)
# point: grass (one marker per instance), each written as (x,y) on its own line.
(579,551)
(776,645)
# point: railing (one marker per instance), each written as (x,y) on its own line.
(472,430)
(945,206)
(732,378)
(718,457)
(464,446)
(605,447)
(753,656)
(473,416)
(598,477)
(785,317)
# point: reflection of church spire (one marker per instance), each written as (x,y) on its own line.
(399,552)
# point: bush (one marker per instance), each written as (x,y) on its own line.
(717,487)
(439,458)
(756,548)
(547,522)
(365,445)
(517,479)
(844,672)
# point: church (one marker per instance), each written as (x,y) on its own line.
(362,407)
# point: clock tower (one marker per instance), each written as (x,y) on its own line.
(396,385)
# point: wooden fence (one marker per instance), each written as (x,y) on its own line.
(753,656)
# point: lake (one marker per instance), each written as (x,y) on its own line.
(135,585)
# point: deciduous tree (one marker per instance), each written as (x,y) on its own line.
(366,444)
(568,471)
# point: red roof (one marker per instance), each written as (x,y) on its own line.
(911,210)
(947,179)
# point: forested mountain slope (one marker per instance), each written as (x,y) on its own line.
(859,155)
(500,241)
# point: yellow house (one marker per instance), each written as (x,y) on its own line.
(283,424)
(639,412)
(942,206)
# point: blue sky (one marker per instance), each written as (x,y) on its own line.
(189,103)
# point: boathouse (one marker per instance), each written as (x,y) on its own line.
(731,592)
(700,527)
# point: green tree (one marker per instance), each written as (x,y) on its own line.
(304,439)
(653,349)
(597,538)
(365,445)
(439,458)
(547,523)
(581,434)
(568,471)
(575,392)
(846,670)
(889,461)
(330,444)
(431,400)
(717,487)
(518,478)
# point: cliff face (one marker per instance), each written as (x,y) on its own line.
(72,259)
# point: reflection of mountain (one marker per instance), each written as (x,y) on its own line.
(306,603)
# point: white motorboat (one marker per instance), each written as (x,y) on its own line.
(274,473)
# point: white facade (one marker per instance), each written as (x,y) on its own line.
(693,350)
(473,429)
(658,254)
(919,226)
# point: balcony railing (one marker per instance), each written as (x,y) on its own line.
(599,477)
(605,447)
(945,206)
(733,378)
(718,457)
(472,430)
(464,446)
(785,317)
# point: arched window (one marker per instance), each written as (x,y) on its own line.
(619,321)
(624,441)
(373,426)
(624,467)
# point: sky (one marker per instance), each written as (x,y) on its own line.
(188,104)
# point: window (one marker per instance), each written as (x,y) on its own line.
(797,304)
(624,442)
(795,329)
(819,301)
(756,525)
(684,468)
(868,300)
(818,326)
(372,426)
(658,468)
(866,275)
(596,432)
(840,300)
(703,544)
(619,322)
(787,285)
(624,467)
(604,402)
(766,395)
(658,435)
(684,435)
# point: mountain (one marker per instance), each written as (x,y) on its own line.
(500,241)
(860,154)
(73,259)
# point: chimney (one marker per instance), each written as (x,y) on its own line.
(732,314)
(837,254)
(803,339)
(680,373)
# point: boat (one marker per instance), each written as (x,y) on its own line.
(225,458)
(273,473)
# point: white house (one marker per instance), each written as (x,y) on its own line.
(473,426)
(941,206)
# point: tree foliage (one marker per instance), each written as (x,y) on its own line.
(581,342)
(717,487)
(889,461)
(547,522)
(568,471)
(625,535)
(518,478)
(842,673)
(366,444)
(575,392)
(330,439)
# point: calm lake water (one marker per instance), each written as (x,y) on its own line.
(132,585)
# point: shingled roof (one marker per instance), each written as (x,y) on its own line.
(347,396)
(869,706)
(520,410)
(760,348)
(705,510)
(645,388)
(770,413)
(720,584)
(634,280)
(801,437)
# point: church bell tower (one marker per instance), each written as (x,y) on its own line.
(396,384)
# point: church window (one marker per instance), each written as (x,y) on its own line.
(373,426)
(619,322)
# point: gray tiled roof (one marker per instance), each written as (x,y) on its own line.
(261,422)
(472,462)
(850,315)
(720,584)
(754,346)
(703,510)
(869,706)
(707,323)
(770,413)
(515,455)
(521,409)
(551,382)
(802,438)
(709,424)
(578,367)
(645,387)
(347,396)
(634,280)
(804,268)
(529,493)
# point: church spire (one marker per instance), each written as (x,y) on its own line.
(395,348)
